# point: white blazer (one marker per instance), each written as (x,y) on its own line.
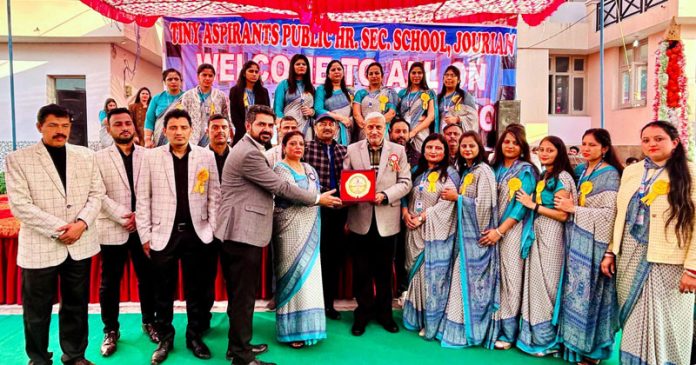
(117,201)
(41,204)
(156,191)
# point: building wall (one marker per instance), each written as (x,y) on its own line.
(146,75)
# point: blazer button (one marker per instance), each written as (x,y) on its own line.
(654,215)
(69,206)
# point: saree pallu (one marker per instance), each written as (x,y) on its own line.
(465,110)
(299,296)
(374,102)
(200,111)
(413,106)
(158,133)
(656,318)
(512,265)
(293,108)
(541,299)
(429,255)
(339,104)
(474,290)
(589,316)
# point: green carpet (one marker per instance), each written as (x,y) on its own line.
(376,346)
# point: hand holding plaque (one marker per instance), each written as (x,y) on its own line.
(358,186)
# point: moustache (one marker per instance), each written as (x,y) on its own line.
(59,136)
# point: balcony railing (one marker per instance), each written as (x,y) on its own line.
(616,10)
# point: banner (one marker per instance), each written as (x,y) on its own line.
(485,55)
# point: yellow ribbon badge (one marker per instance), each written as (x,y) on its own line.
(660,187)
(539,188)
(425,98)
(180,106)
(201,177)
(246,100)
(212,108)
(432,179)
(585,188)
(383,100)
(514,185)
(468,180)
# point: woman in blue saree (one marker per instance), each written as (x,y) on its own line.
(589,316)
(431,223)
(294,96)
(513,172)
(300,318)
(417,106)
(474,289)
(543,248)
(335,99)
(374,98)
(456,106)
(653,251)
(160,105)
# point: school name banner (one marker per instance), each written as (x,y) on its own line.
(485,55)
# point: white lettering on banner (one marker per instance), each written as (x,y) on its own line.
(283,61)
(262,61)
(320,64)
(362,70)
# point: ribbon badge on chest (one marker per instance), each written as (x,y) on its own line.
(514,185)
(201,178)
(585,189)
(660,187)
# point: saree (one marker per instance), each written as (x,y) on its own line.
(200,111)
(299,296)
(453,105)
(654,315)
(589,319)
(512,265)
(474,288)
(414,105)
(429,253)
(544,250)
(292,106)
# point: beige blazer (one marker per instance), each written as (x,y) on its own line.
(117,200)
(41,204)
(156,192)
(395,185)
(662,243)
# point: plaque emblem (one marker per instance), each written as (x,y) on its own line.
(358,185)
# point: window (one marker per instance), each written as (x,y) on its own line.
(633,75)
(567,85)
(69,91)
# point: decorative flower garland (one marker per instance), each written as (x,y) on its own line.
(671,91)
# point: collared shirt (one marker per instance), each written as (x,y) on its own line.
(327,160)
(183,213)
(58,155)
(375,154)
(220,160)
(128,164)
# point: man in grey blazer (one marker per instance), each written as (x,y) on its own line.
(374,225)
(245,222)
(118,165)
(55,192)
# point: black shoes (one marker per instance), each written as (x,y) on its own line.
(161,352)
(390,326)
(255,349)
(150,331)
(358,329)
(332,314)
(82,361)
(108,346)
(198,347)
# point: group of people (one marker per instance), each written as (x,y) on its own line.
(489,251)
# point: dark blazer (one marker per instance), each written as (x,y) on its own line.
(248,186)
(237,111)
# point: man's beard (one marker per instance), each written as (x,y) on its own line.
(127,140)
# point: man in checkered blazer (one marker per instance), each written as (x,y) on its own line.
(178,192)
(55,191)
(118,165)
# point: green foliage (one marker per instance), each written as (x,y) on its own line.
(3,188)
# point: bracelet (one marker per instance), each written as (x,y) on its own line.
(609,254)
(690,274)
(499,234)
(536,209)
